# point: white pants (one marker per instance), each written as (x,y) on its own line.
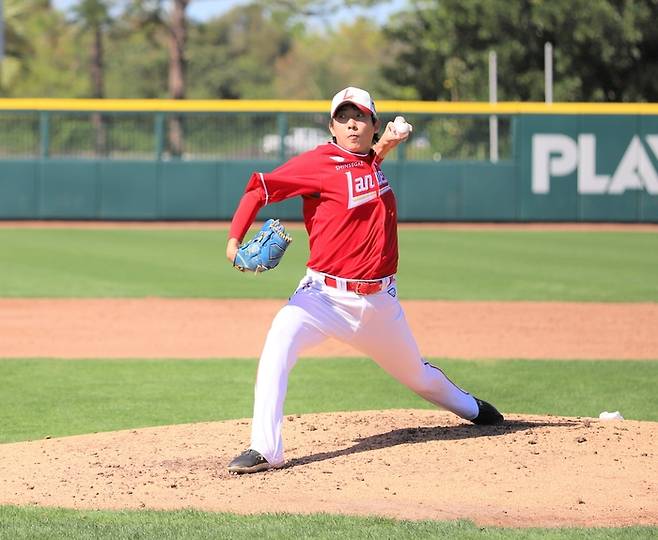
(374,324)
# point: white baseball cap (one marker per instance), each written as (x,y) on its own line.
(358,97)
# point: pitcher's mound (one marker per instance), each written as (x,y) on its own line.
(408,464)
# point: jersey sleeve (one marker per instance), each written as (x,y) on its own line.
(301,175)
(245,214)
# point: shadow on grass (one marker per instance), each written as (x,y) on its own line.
(424,434)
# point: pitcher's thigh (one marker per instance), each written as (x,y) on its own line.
(391,344)
(293,330)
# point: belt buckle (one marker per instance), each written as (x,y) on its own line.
(364,288)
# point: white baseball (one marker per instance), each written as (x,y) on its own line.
(401,125)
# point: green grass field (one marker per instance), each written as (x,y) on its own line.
(67,397)
(57,397)
(47,524)
(434,264)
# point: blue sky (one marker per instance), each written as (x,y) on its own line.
(205,9)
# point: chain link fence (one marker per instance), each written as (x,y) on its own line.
(227,135)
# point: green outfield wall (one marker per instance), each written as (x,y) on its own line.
(114,159)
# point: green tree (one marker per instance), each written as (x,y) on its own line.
(320,64)
(323,57)
(17,44)
(52,67)
(605,50)
(36,50)
(135,75)
(234,56)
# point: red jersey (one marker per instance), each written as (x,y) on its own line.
(349,210)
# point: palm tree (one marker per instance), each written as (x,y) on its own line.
(177,39)
(171,30)
(92,16)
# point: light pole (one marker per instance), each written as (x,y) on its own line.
(493,99)
(548,72)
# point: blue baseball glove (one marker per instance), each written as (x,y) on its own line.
(264,251)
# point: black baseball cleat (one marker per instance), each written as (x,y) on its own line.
(487,415)
(250,461)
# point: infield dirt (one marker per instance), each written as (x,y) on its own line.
(183,328)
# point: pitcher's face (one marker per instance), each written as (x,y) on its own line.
(353,129)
